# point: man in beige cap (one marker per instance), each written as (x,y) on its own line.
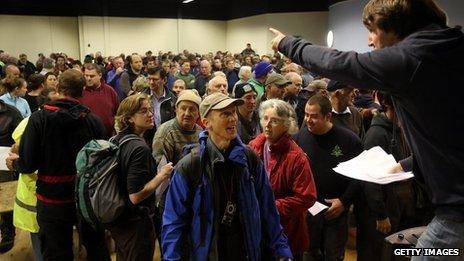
(172,136)
(275,87)
(220,197)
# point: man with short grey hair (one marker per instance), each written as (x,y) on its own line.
(203,77)
(48,66)
(26,66)
(217,84)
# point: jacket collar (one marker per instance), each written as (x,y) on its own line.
(280,147)
(236,155)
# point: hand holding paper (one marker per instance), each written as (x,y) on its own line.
(372,165)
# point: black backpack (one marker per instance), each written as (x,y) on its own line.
(99,200)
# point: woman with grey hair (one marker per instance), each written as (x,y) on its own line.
(139,85)
(288,171)
(244,75)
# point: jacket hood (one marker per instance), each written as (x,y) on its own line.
(364,101)
(67,110)
(381,120)
(444,45)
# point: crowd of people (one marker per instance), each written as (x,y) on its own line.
(247,143)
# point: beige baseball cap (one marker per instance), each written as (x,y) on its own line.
(189,95)
(217,101)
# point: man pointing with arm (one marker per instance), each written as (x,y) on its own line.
(412,46)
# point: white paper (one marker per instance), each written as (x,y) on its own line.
(164,185)
(317,208)
(373,166)
(3,155)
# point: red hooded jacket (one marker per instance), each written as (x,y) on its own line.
(293,186)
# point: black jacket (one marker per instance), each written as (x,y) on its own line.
(50,143)
(167,110)
(10,117)
(389,137)
(423,72)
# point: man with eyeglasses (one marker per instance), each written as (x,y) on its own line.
(162,100)
(220,197)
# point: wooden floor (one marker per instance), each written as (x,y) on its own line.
(22,250)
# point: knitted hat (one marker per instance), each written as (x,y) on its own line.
(262,69)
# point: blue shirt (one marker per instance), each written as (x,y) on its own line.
(112,78)
(18,102)
(156,103)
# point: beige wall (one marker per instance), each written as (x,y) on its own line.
(202,36)
(310,25)
(115,35)
(39,34)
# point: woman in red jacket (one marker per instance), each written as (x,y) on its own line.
(288,171)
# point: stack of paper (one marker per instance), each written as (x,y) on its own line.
(4,151)
(373,166)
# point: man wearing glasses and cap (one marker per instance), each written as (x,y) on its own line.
(219,195)
(275,87)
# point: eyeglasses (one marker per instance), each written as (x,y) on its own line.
(145,111)
(272,121)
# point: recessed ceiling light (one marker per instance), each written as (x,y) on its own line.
(187,1)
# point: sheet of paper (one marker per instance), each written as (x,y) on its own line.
(164,185)
(317,208)
(373,166)
(3,155)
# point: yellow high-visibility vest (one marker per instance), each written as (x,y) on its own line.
(24,210)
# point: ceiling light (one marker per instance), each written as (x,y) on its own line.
(187,1)
(330,39)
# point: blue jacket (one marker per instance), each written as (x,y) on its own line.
(256,203)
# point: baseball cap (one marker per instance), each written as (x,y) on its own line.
(262,69)
(189,95)
(277,79)
(336,85)
(316,85)
(217,101)
(242,89)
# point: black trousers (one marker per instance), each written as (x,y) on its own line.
(134,238)
(6,219)
(56,233)
(400,206)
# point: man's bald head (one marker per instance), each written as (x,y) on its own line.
(205,67)
(12,70)
(217,84)
(292,67)
(293,76)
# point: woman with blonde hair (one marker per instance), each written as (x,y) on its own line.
(134,232)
